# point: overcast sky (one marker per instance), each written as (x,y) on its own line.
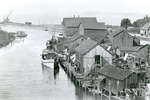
(52,11)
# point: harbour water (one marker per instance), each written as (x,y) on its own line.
(22,77)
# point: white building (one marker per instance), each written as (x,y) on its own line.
(145,30)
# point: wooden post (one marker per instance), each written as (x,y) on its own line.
(101,94)
(117,87)
(109,90)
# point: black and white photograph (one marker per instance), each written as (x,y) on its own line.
(75,50)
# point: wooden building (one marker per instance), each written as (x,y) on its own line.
(117,79)
(95,31)
(139,57)
(71,24)
(123,40)
(71,42)
(90,54)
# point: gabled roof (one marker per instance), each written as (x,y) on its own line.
(93,25)
(122,31)
(68,42)
(117,32)
(97,35)
(95,31)
(75,37)
(86,46)
(75,21)
(130,49)
(133,49)
(114,72)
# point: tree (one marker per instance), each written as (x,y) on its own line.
(125,23)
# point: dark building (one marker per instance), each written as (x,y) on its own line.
(123,40)
(71,24)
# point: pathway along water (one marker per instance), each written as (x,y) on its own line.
(22,76)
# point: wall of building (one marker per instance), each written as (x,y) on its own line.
(119,85)
(145,53)
(89,58)
(124,40)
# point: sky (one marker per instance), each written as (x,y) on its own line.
(53,11)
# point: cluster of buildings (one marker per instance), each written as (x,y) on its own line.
(118,58)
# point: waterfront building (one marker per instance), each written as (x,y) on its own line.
(71,42)
(117,79)
(95,31)
(90,54)
(71,25)
(122,39)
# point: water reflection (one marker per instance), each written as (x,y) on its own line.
(48,75)
(56,72)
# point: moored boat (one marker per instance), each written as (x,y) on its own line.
(48,57)
(21,34)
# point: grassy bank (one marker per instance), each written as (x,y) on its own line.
(5,38)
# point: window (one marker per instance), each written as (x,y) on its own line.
(82,39)
(97,59)
(135,43)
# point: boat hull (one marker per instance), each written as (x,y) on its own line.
(48,63)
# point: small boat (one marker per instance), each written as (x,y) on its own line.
(21,34)
(48,57)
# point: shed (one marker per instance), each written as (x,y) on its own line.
(92,54)
(118,79)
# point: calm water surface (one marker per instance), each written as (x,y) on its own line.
(23,78)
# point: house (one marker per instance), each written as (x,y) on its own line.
(90,54)
(145,30)
(117,79)
(95,31)
(122,40)
(71,25)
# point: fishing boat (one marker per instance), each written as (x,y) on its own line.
(21,34)
(48,57)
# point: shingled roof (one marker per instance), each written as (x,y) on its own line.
(93,25)
(95,31)
(96,35)
(114,72)
(86,46)
(75,21)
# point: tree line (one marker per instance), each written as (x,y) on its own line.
(126,22)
